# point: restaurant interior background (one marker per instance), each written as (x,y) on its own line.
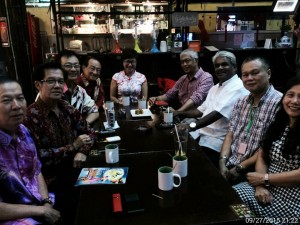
(32,31)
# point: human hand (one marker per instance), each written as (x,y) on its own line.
(81,140)
(255,179)
(50,215)
(152,100)
(223,169)
(263,196)
(79,159)
(232,175)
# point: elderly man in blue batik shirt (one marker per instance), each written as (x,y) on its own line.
(24,196)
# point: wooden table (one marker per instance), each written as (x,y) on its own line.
(204,197)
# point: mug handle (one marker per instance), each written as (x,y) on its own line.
(179,177)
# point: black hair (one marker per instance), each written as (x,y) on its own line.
(65,53)
(265,63)
(277,127)
(88,58)
(39,73)
(129,53)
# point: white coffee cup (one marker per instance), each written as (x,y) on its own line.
(163,46)
(166,178)
(168,117)
(180,165)
(111,153)
(109,105)
(125,100)
(142,104)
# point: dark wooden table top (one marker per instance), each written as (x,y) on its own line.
(204,197)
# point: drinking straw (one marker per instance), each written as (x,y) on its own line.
(168,109)
(179,143)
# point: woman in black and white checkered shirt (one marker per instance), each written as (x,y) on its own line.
(273,191)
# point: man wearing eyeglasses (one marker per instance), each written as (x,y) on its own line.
(73,93)
(90,80)
(191,89)
(61,136)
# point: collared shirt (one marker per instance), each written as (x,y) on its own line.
(130,86)
(19,170)
(54,135)
(263,116)
(220,98)
(93,88)
(81,100)
(195,89)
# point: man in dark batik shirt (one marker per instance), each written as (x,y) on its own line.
(60,132)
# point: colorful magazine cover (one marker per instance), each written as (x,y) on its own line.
(102,175)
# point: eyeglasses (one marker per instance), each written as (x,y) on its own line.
(53,81)
(186,61)
(70,66)
(129,61)
(98,70)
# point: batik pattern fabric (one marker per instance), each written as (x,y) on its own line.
(19,170)
(93,88)
(81,100)
(54,134)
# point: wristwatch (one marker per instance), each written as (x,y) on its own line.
(193,125)
(239,168)
(266,179)
(47,200)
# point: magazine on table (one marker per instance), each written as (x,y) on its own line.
(102,175)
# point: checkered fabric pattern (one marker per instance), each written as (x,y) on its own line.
(286,200)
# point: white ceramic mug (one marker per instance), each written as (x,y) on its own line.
(112,153)
(180,165)
(109,105)
(125,100)
(166,178)
(168,117)
(163,46)
(142,104)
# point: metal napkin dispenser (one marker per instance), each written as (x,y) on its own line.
(76,45)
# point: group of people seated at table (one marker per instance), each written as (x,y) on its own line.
(249,130)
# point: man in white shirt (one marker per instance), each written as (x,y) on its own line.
(216,109)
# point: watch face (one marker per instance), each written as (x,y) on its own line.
(239,168)
(192,125)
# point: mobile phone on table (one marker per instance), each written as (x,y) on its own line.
(133,203)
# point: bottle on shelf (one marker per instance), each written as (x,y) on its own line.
(169,42)
(177,43)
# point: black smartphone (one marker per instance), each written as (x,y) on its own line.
(133,203)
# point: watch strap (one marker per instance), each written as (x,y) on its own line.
(266,179)
(47,200)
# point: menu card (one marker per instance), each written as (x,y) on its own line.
(102,175)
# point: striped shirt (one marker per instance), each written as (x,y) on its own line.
(195,89)
(263,115)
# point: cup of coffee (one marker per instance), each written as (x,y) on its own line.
(168,117)
(109,105)
(142,104)
(166,178)
(111,153)
(125,100)
(180,165)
